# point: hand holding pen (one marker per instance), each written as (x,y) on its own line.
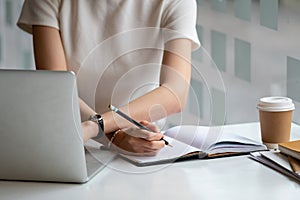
(139,125)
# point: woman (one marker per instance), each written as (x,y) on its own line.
(118,49)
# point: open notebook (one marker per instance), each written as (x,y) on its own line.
(198,142)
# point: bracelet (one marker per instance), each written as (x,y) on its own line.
(112,138)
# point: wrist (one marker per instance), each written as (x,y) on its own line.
(93,128)
(118,137)
(90,130)
(97,119)
(112,138)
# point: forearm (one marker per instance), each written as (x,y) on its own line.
(154,105)
(167,99)
(49,55)
(148,107)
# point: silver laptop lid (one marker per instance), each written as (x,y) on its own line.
(40,130)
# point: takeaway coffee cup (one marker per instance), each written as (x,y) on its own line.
(275,115)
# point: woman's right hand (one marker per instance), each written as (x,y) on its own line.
(136,141)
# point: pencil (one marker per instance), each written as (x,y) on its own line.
(116,110)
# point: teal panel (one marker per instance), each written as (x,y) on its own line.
(218,107)
(198,54)
(200,2)
(0,48)
(218,5)
(27,60)
(242,59)
(242,9)
(268,10)
(196,100)
(9,12)
(200,33)
(218,49)
(293,78)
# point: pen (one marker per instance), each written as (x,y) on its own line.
(116,110)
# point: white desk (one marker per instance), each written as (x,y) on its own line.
(224,178)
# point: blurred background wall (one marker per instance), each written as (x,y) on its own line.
(250,49)
(255,46)
(15,45)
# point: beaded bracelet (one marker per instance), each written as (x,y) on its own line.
(112,138)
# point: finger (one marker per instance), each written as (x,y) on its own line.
(155,137)
(141,133)
(154,145)
(150,136)
(137,132)
(150,126)
(141,145)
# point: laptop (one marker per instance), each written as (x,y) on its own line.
(40,129)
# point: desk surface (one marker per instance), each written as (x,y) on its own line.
(223,178)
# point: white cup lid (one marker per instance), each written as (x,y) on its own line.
(275,104)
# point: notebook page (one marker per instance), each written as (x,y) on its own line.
(191,135)
(213,139)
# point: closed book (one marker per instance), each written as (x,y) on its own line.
(295,164)
(291,148)
(277,161)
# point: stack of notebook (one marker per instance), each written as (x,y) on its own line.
(285,160)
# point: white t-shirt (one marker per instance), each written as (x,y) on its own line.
(114,46)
